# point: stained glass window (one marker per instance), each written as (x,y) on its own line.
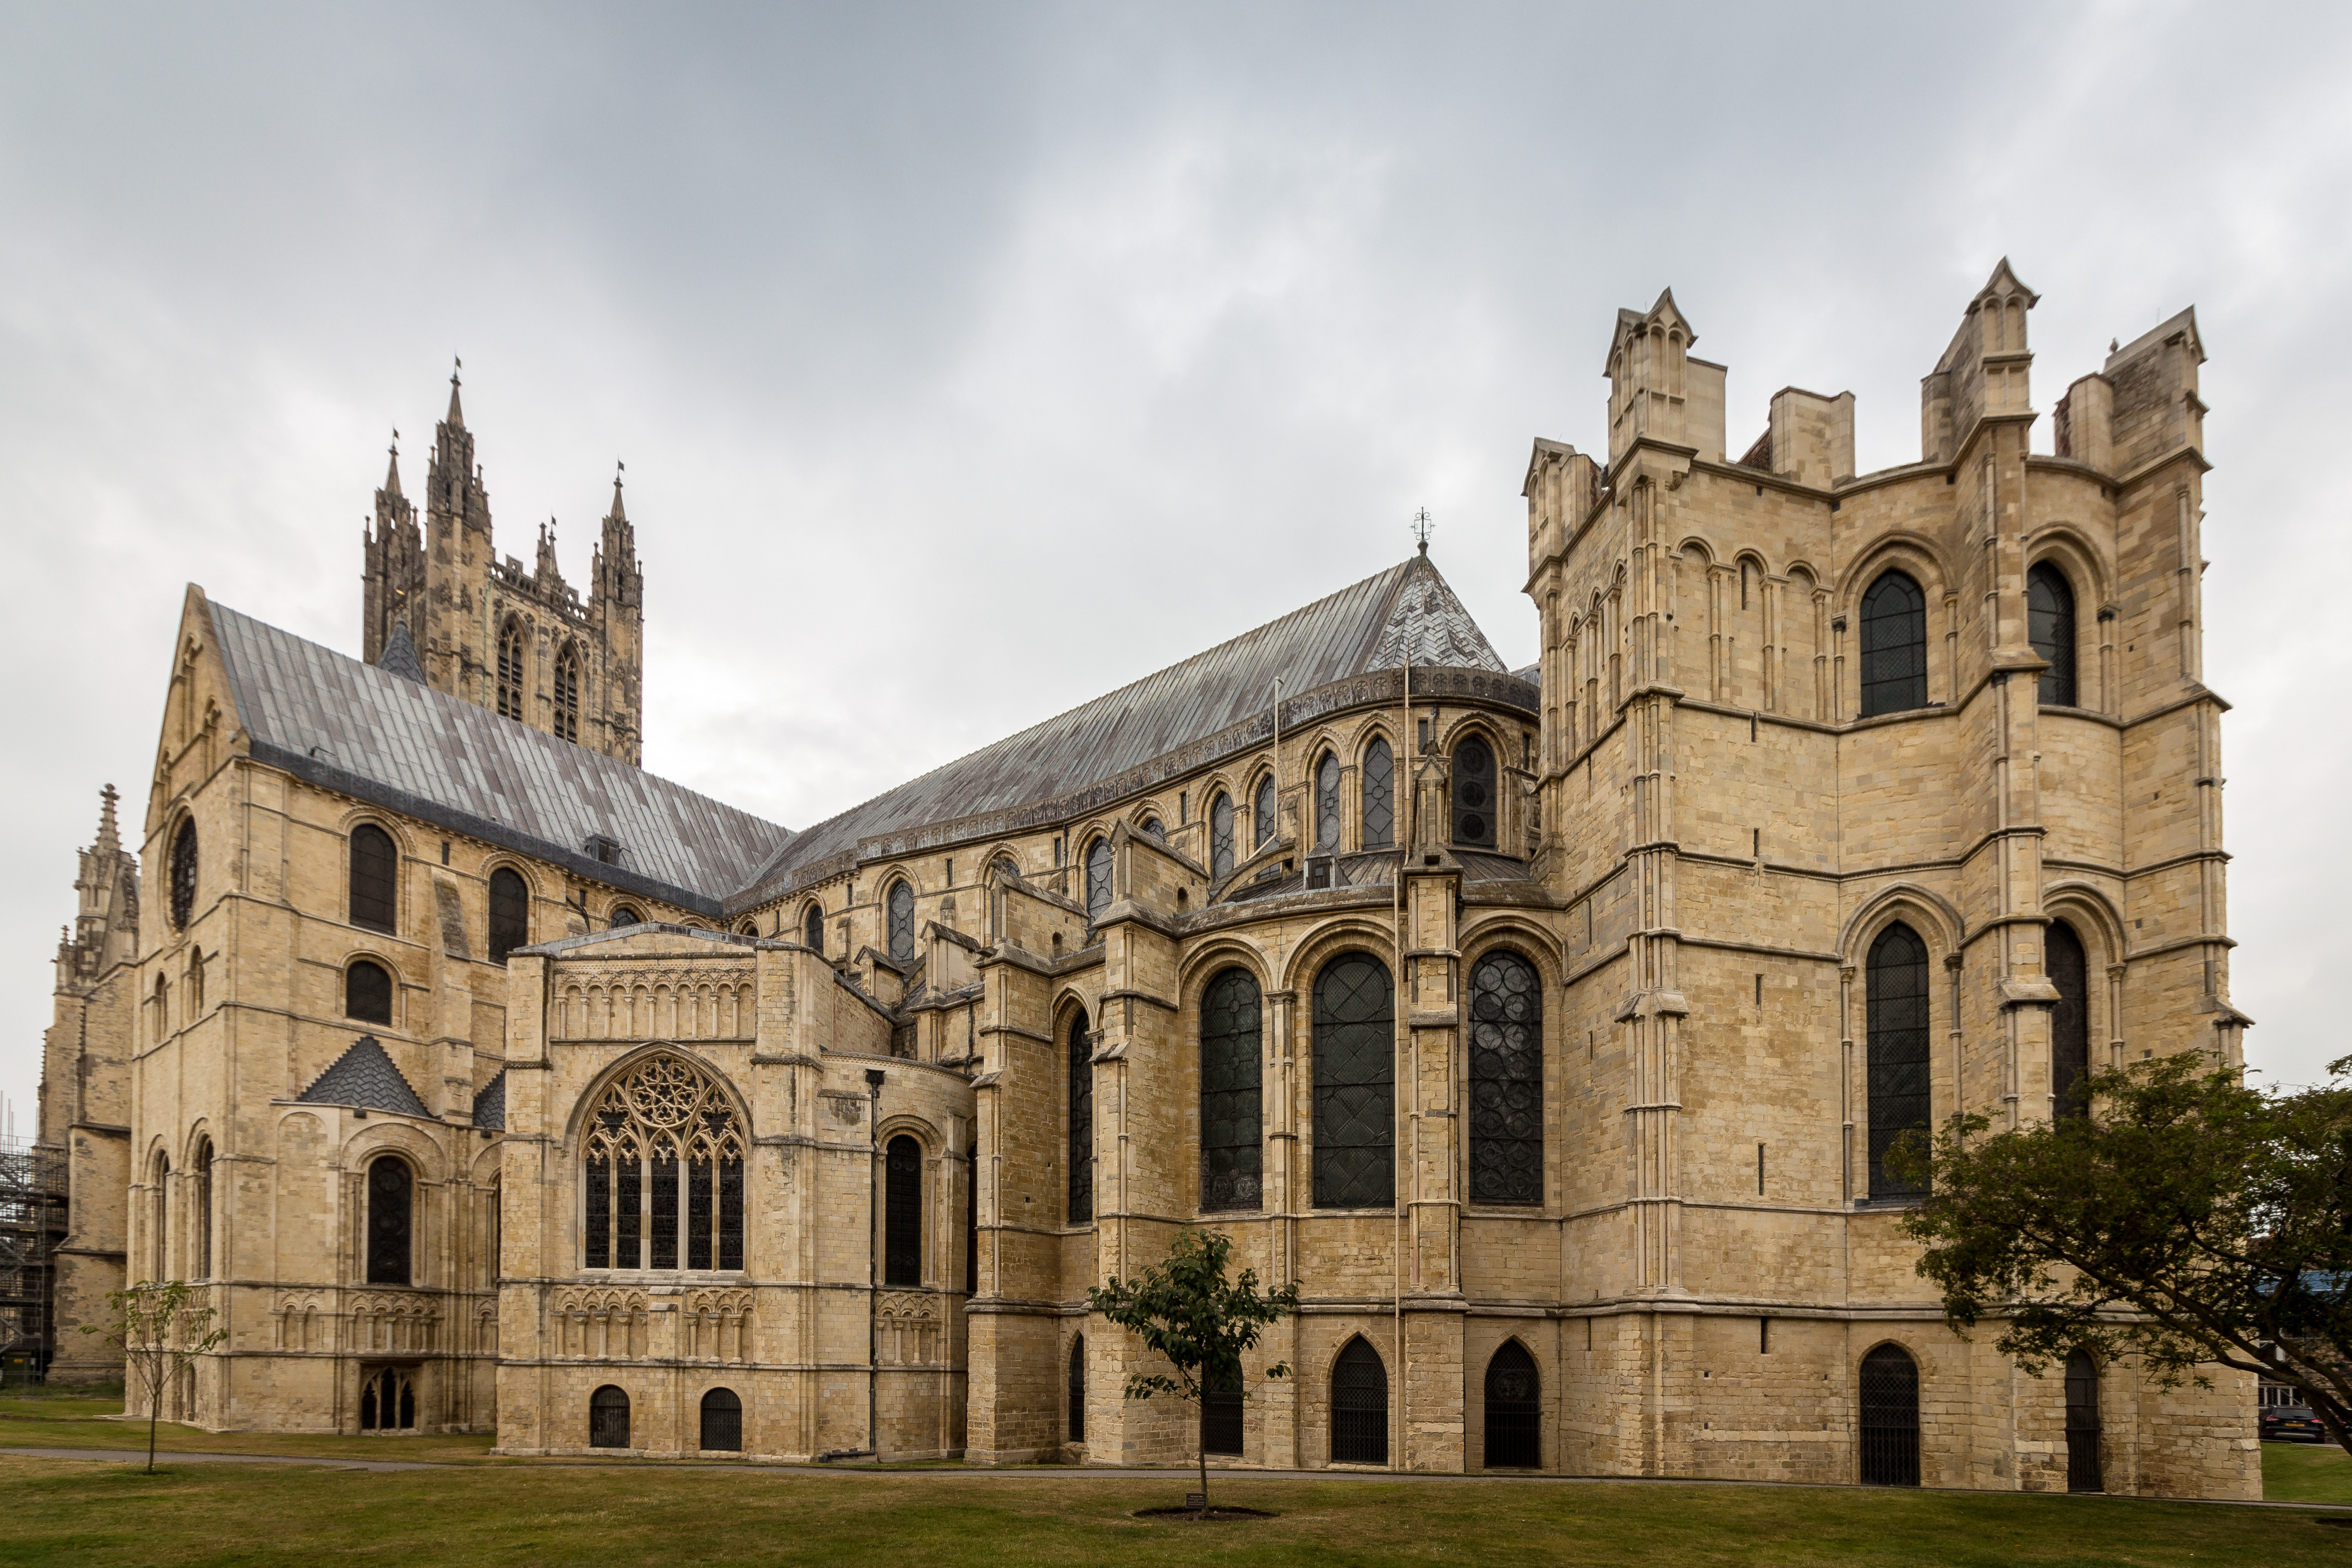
(1097,878)
(392,1202)
(902,923)
(1355,1085)
(367,993)
(2050,627)
(1473,793)
(1221,836)
(1505,1082)
(1327,803)
(1898,1008)
(509,913)
(1380,796)
(902,1214)
(375,869)
(1264,812)
(1230,1071)
(663,1158)
(1082,1121)
(1893,646)
(184,873)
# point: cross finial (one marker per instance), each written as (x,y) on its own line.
(1421,523)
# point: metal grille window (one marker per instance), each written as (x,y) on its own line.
(663,1165)
(375,869)
(1893,646)
(509,913)
(1890,1418)
(1355,1085)
(567,694)
(367,993)
(1380,796)
(1505,1082)
(1359,1406)
(1221,836)
(1222,1430)
(1097,878)
(2083,1425)
(2069,1021)
(2050,627)
(812,928)
(388,1400)
(1473,793)
(1898,1007)
(1327,803)
(392,1204)
(1231,1074)
(1514,1410)
(902,1214)
(608,1418)
(184,873)
(902,923)
(723,1422)
(1081,1209)
(1076,1416)
(1263,811)
(511,671)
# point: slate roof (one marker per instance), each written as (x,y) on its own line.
(364,1075)
(490,1105)
(369,733)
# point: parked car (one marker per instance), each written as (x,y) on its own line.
(2292,1424)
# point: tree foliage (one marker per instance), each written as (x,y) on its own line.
(2187,1220)
(160,1327)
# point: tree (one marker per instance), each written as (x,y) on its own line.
(160,1328)
(2185,1218)
(1189,1313)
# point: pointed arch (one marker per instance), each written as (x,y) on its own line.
(1378,787)
(663,1139)
(1513,1413)
(1221,836)
(1897,1002)
(511,669)
(1231,1069)
(568,683)
(1359,1404)
(900,905)
(1099,861)
(1474,795)
(1265,812)
(1326,803)
(1080,1104)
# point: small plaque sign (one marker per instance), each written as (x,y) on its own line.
(1197,1501)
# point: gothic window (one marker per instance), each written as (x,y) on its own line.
(509,913)
(1893,646)
(1897,1011)
(1097,878)
(1152,826)
(1355,1085)
(1359,1406)
(902,923)
(391,1219)
(375,869)
(608,1418)
(184,873)
(624,915)
(812,927)
(2082,1423)
(567,693)
(1380,796)
(1221,836)
(1505,1082)
(1890,1418)
(2050,627)
(902,1213)
(1082,1121)
(1514,1410)
(662,1163)
(1229,1077)
(1076,1430)
(2070,1022)
(1264,812)
(202,1219)
(723,1422)
(1473,793)
(388,1400)
(1327,805)
(510,670)
(1222,1428)
(367,993)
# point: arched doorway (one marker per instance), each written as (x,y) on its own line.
(1514,1410)
(1890,1418)
(1359,1406)
(608,1418)
(722,1421)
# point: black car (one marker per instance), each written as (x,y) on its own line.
(2292,1424)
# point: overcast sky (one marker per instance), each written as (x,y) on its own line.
(969,360)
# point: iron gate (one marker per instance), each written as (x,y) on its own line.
(2083,1425)
(1890,1418)
(1514,1410)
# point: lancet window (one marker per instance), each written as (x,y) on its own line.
(1505,1082)
(1327,803)
(510,670)
(661,1175)
(1097,878)
(1221,836)
(567,694)
(1265,813)
(1898,1007)
(2050,627)
(1893,646)
(1380,796)
(1473,793)
(902,923)
(375,870)
(184,873)
(509,913)
(1231,1083)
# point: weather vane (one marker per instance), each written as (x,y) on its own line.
(1421,523)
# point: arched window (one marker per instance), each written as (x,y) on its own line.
(567,693)
(159,1204)
(1893,646)
(1890,1418)
(2070,1022)
(812,927)
(1514,1410)
(1327,805)
(1223,1430)
(2050,627)
(1221,836)
(509,913)
(1265,813)
(1076,1428)
(510,669)
(1097,878)
(608,1418)
(1505,1082)
(902,1214)
(1081,1209)
(388,1401)
(367,993)
(902,923)
(723,1422)
(201,1218)
(184,873)
(2083,1425)
(1380,796)
(1897,1011)
(663,1118)
(391,1219)
(375,872)
(1152,826)
(1359,1406)
(626,915)
(1230,1079)
(1473,793)
(1006,867)
(1355,1085)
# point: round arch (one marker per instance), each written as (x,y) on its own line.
(1928,914)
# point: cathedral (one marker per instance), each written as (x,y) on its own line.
(1549,1027)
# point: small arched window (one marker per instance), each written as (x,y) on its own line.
(1514,1410)
(391,1218)
(1231,1073)
(2050,627)
(1076,1427)
(2070,1022)
(664,1157)
(1473,793)
(626,915)
(201,1218)
(1098,879)
(510,669)
(723,1422)
(812,928)
(1006,867)
(2082,1474)
(509,913)
(1081,1058)
(608,1418)
(1263,811)
(1893,646)
(1890,1418)
(1355,1084)
(902,1216)
(1505,1082)
(1221,836)
(159,1196)
(376,873)
(367,993)
(1359,1406)
(1327,805)
(1898,1017)
(184,873)
(1380,796)
(901,905)
(567,693)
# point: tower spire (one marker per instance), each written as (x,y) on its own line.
(457,415)
(110,838)
(618,514)
(392,473)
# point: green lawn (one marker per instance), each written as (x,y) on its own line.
(2306,1472)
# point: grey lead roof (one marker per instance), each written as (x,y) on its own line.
(364,1076)
(490,1105)
(368,732)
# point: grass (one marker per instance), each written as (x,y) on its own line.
(93,1418)
(2306,1472)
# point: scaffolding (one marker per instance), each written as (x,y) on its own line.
(32,1225)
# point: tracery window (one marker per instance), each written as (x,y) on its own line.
(902,923)
(1505,1082)
(1514,1410)
(1327,803)
(723,1422)
(1355,1084)
(1359,1406)
(1221,836)
(1473,793)
(375,870)
(1082,1120)
(510,670)
(626,915)
(1890,1418)
(567,694)
(1380,796)
(2050,627)
(1230,1075)
(663,1162)
(388,1400)
(367,993)
(184,873)
(812,927)
(2063,961)
(902,1217)
(1097,878)
(1897,1013)
(1264,812)
(1893,646)
(391,1218)
(509,913)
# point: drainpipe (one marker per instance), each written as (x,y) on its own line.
(873,1254)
